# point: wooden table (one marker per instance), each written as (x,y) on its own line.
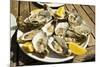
(87,12)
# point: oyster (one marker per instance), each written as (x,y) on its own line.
(82,29)
(70,33)
(40,42)
(77,24)
(57,47)
(48,28)
(40,17)
(73,36)
(74,19)
(21,25)
(29,35)
(61,28)
(45,16)
(54,45)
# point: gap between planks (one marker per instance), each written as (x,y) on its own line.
(24,9)
(89,12)
(92,7)
(86,18)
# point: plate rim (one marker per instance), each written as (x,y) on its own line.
(41,3)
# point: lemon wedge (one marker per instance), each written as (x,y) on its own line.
(76,49)
(60,12)
(28,47)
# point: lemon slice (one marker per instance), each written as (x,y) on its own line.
(76,49)
(28,47)
(60,12)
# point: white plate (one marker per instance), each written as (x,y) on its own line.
(52,58)
(51,4)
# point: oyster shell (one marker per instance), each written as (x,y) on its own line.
(48,29)
(73,36)
(57,47)
(54,45)
(74,19)
(40,42)
(44,16)
(82,29)
(77,24)
(29,35)
(70,33)
(41,16)
(61,28)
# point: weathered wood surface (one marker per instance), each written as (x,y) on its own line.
(14,7)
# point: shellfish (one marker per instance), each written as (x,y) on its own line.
(48,28)
(40,42)
(61,28)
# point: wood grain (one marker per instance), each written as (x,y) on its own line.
(14,7)
(70,7)
(24,9)
(89,12)
(92,8)
(91,41)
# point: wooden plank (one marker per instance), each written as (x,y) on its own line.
(70,7)
(24,9)
(91,41)
(85,17)
(89,12)
(14,7)
(92,8)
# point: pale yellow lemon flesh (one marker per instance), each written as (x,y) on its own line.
(28,47)
(60,12)
(76,48)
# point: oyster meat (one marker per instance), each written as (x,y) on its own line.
(48,28)
(82,29)
(40,42)
(61,28)
(54,45)
(40,17)
(74,19)
(29,35)
(57,47)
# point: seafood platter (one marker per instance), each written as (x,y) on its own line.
(53,35)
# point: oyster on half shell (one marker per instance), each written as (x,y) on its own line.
(82,29)
(41,16)
(61,28)
(29,35)
(74,19)
(57,47)
(40,42)
(48,28)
